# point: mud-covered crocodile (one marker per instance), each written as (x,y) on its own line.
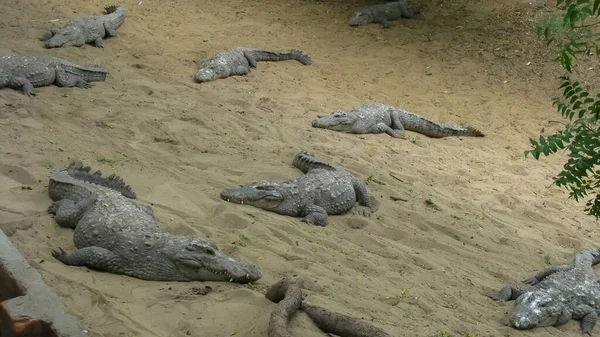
(382,13)
(237,61)
(557,295)
(86,29)
(324,189)
(113,233)
(24,72)
(380,118)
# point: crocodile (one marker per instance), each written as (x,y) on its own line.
(115,234)
(556,295)
(380,118)
(382,13)
(86,29)
(237,61)
(24,72)
(324,189)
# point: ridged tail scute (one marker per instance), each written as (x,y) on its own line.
(110,9)
(118,16)
(78,171)
(305,162)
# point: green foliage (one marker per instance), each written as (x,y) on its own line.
(573,35)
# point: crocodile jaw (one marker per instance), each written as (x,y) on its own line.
(257,195)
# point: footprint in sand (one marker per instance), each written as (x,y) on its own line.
(18,174)
(234,221)
(20,197)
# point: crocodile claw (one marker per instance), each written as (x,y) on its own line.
(59,254)
(531,281)
(52,209)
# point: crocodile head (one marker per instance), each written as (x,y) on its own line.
(200,260)
(360,18)
(262,194)
(538,309)
(338,120)
(211,72)
(65,37)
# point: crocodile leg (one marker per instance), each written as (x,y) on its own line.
(314,215)
(384,23)
(98,43)
(49,34)
(147,209)
(240,70)
(67,212)
(547,272)
(92,257)
(110,31)
(381,128)
(588,317)
(362,196)
(509,293)
(251,60)
(397,123)
(64,79)
(21,83)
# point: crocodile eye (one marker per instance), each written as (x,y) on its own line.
(209,251)
(192,247)
(544,302)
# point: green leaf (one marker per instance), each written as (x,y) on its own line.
(596,4)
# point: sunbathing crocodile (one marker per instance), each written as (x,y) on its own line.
(86,29)
(323,190)
(382,13)
(380,118)
(557,295)
(237,61)
(115,234)
(25,72)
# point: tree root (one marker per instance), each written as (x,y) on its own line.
(288,295)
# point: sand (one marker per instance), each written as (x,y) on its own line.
(409,268)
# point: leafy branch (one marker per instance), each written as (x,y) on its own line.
(573,35)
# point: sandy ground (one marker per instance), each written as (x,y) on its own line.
(411,269)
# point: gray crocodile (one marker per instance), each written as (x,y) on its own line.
(323,190)
(237,61)
(382,13)
(115,234)
(380,118)
(87,29)
(557,295)
(24,72)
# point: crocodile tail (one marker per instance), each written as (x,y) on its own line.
(473,132)
(446,130)
(305,162)
(294,54)
(91,73)
(424,126)
(301,57)
(77,171)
